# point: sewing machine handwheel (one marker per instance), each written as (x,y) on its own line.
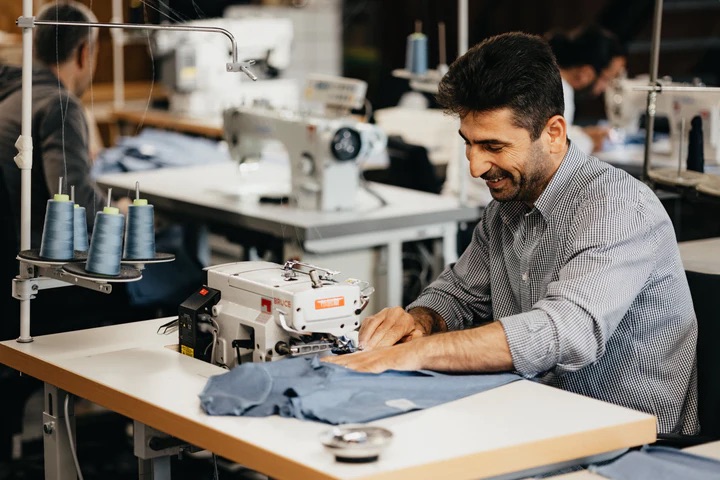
(346,144)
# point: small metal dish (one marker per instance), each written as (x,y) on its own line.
(356,443)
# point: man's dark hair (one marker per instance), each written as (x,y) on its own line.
(55,44)
(588,45)
(512,70)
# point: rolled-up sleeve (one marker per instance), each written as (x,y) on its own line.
(533,342)
(609,260)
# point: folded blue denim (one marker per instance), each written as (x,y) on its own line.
(309,389)
(660,463)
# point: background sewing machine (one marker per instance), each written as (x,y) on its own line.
(325,146)
(192,66)
(624,107)
(262,311)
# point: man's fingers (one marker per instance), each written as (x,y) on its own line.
(368,327)
(412,336)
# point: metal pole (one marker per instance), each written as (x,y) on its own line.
(462,48)
(24,162)
(145,26)
(675,88)
(118,42)
(652,95)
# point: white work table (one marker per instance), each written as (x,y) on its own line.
(632,158)
(223,195)
(701,256)
(133,370)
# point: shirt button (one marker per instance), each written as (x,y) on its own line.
(525,277)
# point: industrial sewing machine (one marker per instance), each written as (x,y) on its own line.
(192,65)
(325,149)
(624,106)
(262,311)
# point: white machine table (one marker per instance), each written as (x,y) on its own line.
(220,194)
(504,432)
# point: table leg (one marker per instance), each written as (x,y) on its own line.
(153,450)
(59,463)
(154,468)
(394,273)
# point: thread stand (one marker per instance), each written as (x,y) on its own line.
(27,283)
(127,273)
(427,82)
(33,256)
(160,257)
(43,275)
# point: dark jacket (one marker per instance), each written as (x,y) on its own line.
(60,147)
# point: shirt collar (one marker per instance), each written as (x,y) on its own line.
(552,194)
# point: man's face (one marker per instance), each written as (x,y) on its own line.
(610,73)
(501,153)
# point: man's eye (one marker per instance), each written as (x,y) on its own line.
(493,148)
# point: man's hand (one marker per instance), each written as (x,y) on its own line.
(388,327)
(398,357)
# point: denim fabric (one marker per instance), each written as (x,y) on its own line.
(660,463)
(153,148)
(309,389)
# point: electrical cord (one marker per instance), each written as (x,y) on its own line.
(215,331)
(216,474)
(383,202)
(71,441)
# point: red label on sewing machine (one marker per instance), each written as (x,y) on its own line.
(333,302)
(266,305)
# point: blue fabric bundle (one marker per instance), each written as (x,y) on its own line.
(660,463)
(309,389)
(152,149)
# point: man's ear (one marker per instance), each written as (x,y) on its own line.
(556,133)
(83,55)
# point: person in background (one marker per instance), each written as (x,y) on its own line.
(64,66)
(589,58)
(573,276)
(63,69)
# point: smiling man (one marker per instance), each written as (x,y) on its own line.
(573,276)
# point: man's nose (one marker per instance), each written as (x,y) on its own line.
(479,164)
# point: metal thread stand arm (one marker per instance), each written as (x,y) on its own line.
(26,284)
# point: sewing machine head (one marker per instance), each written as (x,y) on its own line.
(624,107)
(681,109)
(325,153)
(262,311)
(193,65)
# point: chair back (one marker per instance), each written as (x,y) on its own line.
(705,290)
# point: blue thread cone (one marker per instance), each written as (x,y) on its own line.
(140,231)
(80,239)
(416,55)
(105,252)
(57,235)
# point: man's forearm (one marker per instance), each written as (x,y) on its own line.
(482,349)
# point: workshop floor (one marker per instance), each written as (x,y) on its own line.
(105,450)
